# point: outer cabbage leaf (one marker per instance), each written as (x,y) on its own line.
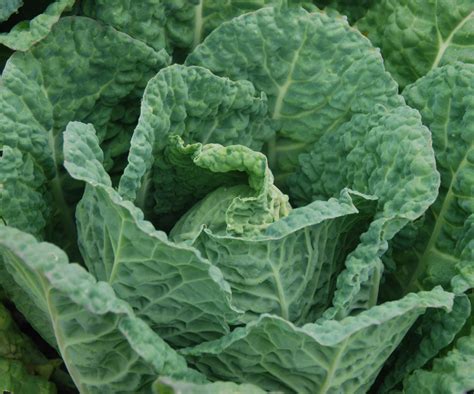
(181,295)
(451,373)
(14,378)
(8,8)
(143,20)
(433,332)
(441,246)
(199,107)
(97,67)
(169,386)
(332,356)
(387,154)
(287,267)
(316,70)
(24,202)
(105,347)
(22,299)
(189,22)
(27,33)
(161,23)
(417,36)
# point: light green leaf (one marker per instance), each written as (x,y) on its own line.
(27,33)
(24,202)
(333,356)
(169,386)
(441,245)
(8,8)
(418,36)
(14,378)
(316,70)
(190,172)
(451,373)
(288,268)
(199,107)
(105,347)
(180,294)
(386,154)
(98,67)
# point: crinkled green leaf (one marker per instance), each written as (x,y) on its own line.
(290,267)
(123,120)
(442,245)
(177,23)
(181,24)
(24,203)
(418,36)
(27,33)
(14,378)
(464,278)
(386,154)
(191,171)
(189,22)
(23,200)
(82,70)
(143,20)
(451,373)
(199,107)
(105,347)
(34,108)
(315,69)
(181,295)
(434,331)
(8,8)
(169,386)
(332,356)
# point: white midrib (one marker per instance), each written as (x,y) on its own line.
(198,24)
(440,221)
(117,252)
(332,370)
(73,372)
(443,45)
(283,89)
(281,293)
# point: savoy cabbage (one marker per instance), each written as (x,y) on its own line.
(236,196)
